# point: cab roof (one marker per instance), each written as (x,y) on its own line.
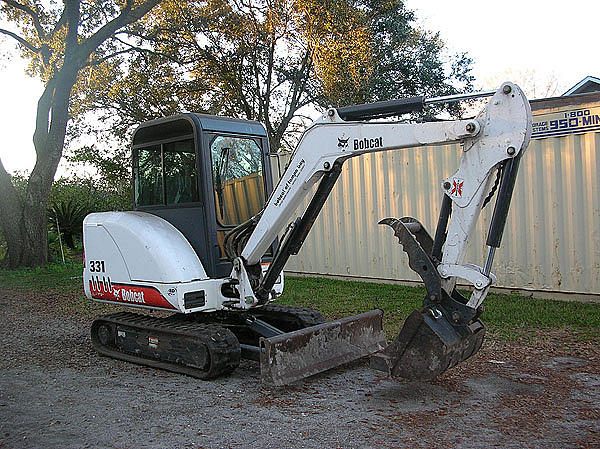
(185,125)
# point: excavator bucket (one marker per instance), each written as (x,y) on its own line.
(295,355)
(428,345)
(444,332)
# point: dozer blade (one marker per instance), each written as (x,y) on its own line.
(428,345)
(295,355)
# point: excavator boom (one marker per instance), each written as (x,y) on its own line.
(447,329)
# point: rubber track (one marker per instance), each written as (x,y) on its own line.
(222,345)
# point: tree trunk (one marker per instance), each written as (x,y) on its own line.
(11,220)
(26,226)
(24,219)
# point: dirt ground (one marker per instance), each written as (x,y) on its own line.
(55,391)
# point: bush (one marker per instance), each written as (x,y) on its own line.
(66,218)
(91,194)
(70,200)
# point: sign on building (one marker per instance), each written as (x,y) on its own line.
(566,122)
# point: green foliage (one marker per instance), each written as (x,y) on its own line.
(111,165)
(260,60)
(381,55)
(19,181)
(71,199)
(89,194)
(66,218)
(58,249)
(270,60)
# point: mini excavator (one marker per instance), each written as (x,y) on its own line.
(209,236)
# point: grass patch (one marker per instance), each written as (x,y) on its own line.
(337,298)
(59,286)
(508,316)
(53,277)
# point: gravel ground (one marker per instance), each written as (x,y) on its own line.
(55,391)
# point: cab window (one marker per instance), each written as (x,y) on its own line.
(166,174)
(239,187)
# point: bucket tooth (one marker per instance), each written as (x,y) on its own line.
(295,355)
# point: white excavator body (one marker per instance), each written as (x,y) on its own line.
(153,265)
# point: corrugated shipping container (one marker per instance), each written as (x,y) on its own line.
(242,198)
(552,238)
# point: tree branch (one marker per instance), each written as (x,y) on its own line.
(143,50)
(31,13)
(95,62)
(70,62)
(61,21)
(42,118)
(126,17)
(20,40)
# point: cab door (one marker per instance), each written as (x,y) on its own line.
(240,186)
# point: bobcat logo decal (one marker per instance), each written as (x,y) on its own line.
(343,143)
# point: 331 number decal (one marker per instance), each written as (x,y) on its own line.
(97,266)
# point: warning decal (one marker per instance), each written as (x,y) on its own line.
(457,187)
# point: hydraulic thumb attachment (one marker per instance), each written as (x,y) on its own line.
(445,331)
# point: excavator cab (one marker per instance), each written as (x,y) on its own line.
(203,174)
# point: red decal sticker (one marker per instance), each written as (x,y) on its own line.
(457,187)
(128,294)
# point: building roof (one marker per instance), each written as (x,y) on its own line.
(585,86)
(559,102)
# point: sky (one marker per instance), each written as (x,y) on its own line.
(539,42)
(549,38)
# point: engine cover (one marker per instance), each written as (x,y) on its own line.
(142,260)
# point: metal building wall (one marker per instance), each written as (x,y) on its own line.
(242,197)
(552,237)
